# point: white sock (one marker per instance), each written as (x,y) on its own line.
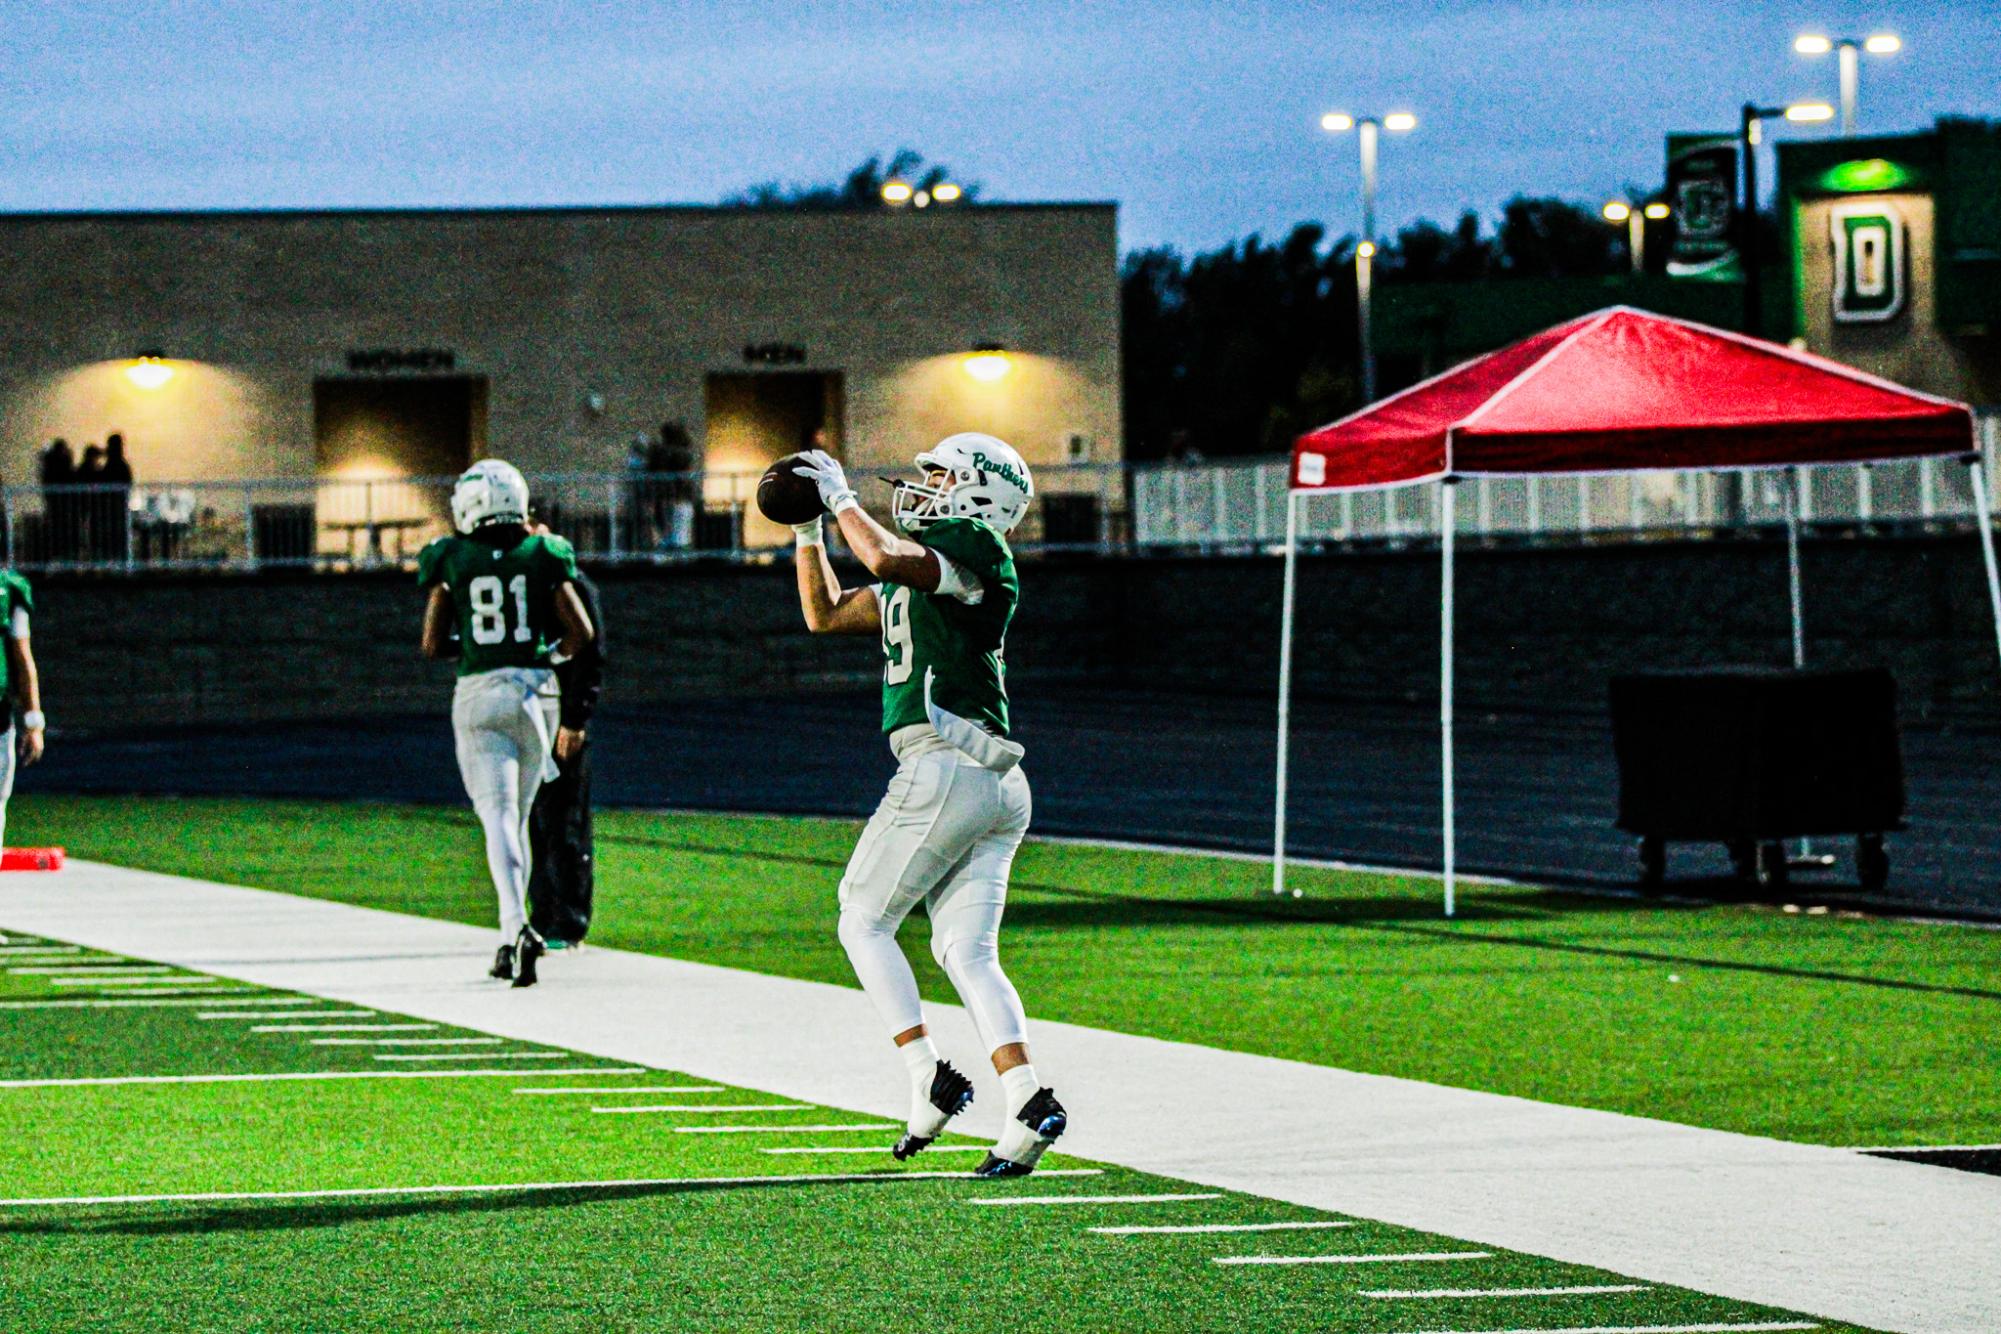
(921,1056)
(1019,1084)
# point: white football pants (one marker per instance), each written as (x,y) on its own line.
(945,833)
(504,722)
(7,762)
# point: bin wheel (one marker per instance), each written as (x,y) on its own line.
(1653,862)
(1872,863)
(1772,868)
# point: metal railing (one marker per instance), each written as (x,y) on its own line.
(632,518)
(359,523)
(1241,505)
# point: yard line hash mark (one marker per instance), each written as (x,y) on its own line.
(1585,1290)
(636,1088)
(410,1042)
(1407,1257)
(335,1028)
(705,1108)
(107,1080)
(1182,1229)
(1097,1199)
(779,1130)
(473,1056)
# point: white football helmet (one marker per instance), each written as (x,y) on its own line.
(984,479)
(490,491)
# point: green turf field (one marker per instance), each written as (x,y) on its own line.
(634,1220)
(1817,1028)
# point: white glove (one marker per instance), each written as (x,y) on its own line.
(807,534)
(824,470)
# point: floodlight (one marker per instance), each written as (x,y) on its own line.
(1400,120)
(1884,44)
(946,193)
(1657,210)
(895,192)
(1809,112)
(149,371)
(1617,211)
(1813,44)
(1335,121)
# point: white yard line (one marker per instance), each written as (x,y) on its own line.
(151,972)
(1403,1258)
(1097,1199)
(131,981)
(472,1056)
(406,1042)
(1191,1229)
(291,1014)
(1756,1327)
(880,1148)
(505,1188)
(109,1081)
(637,1088)
(127,1002)
(701,1108)
(1842,1236)
(1418,1294)
(780,1130)
(333,1028)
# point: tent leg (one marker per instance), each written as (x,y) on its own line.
(1793,567)
(1983,506)
(1285,686)
(1447,524)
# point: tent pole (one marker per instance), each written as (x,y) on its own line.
(1792,495)
(1447,525)
(1285,685)
(1984,508)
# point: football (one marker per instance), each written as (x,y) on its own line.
(783,496)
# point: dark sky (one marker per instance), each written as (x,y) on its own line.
(1198,117)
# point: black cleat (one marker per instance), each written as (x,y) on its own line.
(527,949)
(1041,1120)
(503,963)
(951,1093)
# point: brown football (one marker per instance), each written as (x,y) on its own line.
(783,496)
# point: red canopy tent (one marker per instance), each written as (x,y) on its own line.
(1617,391)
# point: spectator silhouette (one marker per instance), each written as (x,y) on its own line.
(59,508)
(115,502)
(90,519)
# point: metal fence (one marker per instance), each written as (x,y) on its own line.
(361,523)
(1241,506)
(1211,507)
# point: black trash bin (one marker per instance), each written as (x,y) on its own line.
(1750,757)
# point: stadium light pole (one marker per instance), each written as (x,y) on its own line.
(1848,53)
(1748,135)
(1368,131)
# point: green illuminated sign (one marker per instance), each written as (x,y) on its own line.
(1865,174)
(1868,262)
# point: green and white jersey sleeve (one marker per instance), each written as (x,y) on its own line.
(961,643)
(16,601)
(504,598)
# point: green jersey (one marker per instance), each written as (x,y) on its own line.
(504,597)
(14,597)
(960,644)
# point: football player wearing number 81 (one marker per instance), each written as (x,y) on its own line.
(511,596)
(957,809)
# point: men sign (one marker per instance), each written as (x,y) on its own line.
(1868,262)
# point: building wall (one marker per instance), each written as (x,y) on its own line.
(1912,348)
(559,309)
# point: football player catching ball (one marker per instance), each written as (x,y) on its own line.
(957,809)
(511,596)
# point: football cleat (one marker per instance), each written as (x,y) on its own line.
(527,949)
(503,963)
(1027,1137)
(950,1094)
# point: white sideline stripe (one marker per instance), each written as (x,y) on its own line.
(1753,1328)
(706,1108)
(364,1192)
(295,1014)
(125,1002)
(106,1080)
(881,1148)
(637,1088)
(1098,1199)
(403,1042)
(26,948)
(1402,1294)
(781,1130)
(152,981)
(214,994)
(333,1027)
(1184,1229)
(111,968)
(1408,1257)
(473,1056)
(1840,1237)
